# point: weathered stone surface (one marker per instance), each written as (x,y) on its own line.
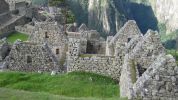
(52,34)
(163,89)
(138,62)
(25,56)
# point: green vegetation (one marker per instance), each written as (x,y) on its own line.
(75,84)
(11,94)
(167,38)
(56,2)
(16,35)
(70,17)
(133,71)
(174,53)
(85,55)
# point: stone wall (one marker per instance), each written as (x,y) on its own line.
(4,49)
(31,57)
(4,6)
(159,82)
(104,65)
(147,49)
(52,34)
(144,53)
(26,29)
(12,3)
(4,17)
(116,45)
(9,26)
(127,78)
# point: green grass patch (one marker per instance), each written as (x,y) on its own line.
(11,94)
(75,84)
(16,35)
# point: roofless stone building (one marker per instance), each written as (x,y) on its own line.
(139,63)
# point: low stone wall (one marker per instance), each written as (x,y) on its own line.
(9,26)
(25,29)
(4,17)
(104,65)
(4,49)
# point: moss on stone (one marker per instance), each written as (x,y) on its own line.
(133,71)
(86,55)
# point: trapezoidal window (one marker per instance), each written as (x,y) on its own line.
(128,40)
(57,51)
(90,48)
(29,59)
(46,35)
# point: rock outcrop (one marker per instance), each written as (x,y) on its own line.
(108,16)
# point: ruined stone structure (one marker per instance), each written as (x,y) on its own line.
(139,63)
(52,34)
(26,29)
(26,56)
(11,16)
(104,65)
(4,49)
(18,4)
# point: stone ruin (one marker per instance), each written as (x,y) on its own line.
(138,62)
(26,56)
(13,13)
(18,4)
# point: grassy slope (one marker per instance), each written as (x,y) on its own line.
(76,84)
(16,35)
(11,94)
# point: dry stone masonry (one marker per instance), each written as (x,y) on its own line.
(25,56)
(139,63)
(13,13)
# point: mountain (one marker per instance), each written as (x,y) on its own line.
(107,16)
(166,12)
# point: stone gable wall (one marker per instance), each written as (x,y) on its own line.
(40,58)
(159,82)
(147,49)
(51,34)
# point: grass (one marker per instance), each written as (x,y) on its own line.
(11,94)
(16,35)
(75,84)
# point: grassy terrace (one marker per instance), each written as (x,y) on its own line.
(16,35)
(66,86)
